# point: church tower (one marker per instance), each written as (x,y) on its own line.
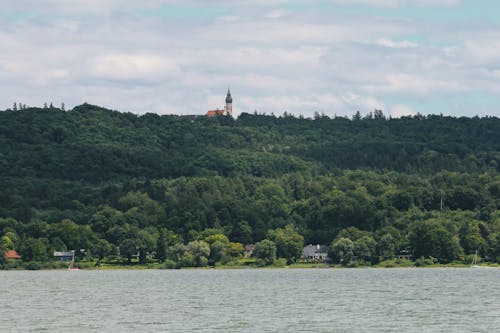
(229,104)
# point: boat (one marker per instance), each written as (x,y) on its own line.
(71,266)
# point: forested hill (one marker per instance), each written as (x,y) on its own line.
(96,179)
(94,144)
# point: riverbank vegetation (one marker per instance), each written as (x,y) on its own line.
(120,188)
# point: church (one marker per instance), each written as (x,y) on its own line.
(227,111)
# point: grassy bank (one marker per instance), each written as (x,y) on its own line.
(244,263)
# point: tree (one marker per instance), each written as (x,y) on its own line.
(102,248)
(3,256)
(219,244)
(235,249)
(137,241)
(33,249)
(166,240)
(6,243)
(471,239)
(378,114)
(162,246)
(265,251)
(431,239)
(75,236)
(357,116)
(289,243)
(129,247)
(242,233)
(386,247)
(341,251)
(365,248)
(200,251)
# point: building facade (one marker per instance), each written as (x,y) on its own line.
(228,109)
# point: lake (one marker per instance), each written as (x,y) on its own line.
(252,300)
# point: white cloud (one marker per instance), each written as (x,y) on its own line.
(274,57)
(276,14)
(396,3)
(133,67)
(394,44)
(416,84)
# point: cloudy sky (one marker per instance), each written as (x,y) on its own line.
(303,56)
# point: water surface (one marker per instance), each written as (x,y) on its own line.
(266,300)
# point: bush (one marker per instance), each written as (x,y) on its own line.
(85,264)
(32,266)
(169,264)
(405,263)
(232,262)
(260,263)
(281,262)
(421,262)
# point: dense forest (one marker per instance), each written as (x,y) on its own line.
(194,190)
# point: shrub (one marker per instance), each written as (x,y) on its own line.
(281,262)
(169,264)
(421,262)
(32,266)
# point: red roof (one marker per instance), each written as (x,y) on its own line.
(215,113)
(12,254)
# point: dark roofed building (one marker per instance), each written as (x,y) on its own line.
(315,252)
(63,256)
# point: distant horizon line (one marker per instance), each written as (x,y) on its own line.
(283,114)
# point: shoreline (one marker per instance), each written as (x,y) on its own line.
(293,266)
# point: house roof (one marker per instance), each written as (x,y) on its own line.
(249,247)
(63,254)
(312,250)
(214,113)
(12,254)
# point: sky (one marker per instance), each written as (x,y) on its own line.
(327,56)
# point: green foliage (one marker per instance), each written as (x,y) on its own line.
(280,262)
(33,266)
(3,256)
(420,262)
(431,238)
(341,251)
(365,249)
(97,179)
(169,264)
(289,242)
(265,252)
(33,249)
(386,247)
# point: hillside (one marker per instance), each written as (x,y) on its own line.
(94,178)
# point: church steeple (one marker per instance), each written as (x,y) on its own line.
(229,104)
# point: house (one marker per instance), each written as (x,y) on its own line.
(12,254)
(315,252)
(63,256)
(248,250)
(405,254)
